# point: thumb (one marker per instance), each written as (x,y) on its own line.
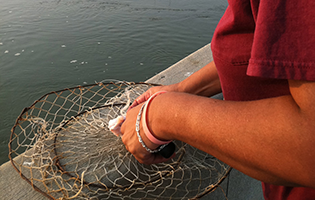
(142,98)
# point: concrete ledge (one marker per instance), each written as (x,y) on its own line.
(185,67)
(12,186)
(236,187)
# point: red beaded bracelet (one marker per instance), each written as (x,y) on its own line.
(146,129)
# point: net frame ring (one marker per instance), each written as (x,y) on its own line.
(33,146)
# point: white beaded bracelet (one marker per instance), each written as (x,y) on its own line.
(138,133)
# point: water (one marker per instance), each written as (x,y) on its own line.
(48,45)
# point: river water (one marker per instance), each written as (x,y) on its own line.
(47,45)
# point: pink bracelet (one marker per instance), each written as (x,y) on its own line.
(146,129)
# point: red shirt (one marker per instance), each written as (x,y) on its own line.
(257,46)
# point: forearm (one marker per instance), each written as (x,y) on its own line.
(204,82)
(261,138)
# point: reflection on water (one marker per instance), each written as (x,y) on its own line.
(49,45)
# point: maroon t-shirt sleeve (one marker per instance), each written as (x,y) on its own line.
(284,39)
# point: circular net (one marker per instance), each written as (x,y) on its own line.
(61,146)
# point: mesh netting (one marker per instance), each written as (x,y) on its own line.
(61,145)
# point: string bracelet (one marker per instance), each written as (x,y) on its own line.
(146,129)
(138,133)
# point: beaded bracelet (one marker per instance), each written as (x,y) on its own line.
(146,129)
(138,133)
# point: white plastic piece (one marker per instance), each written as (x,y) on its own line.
(114,125)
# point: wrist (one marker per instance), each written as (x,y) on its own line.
(159,118)
(148,140)
(179,87)
(148,132)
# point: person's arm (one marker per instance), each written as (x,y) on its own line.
(271,140)
(204,82)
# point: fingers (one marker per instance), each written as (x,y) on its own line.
(142,98)
(146,95)
(134,104)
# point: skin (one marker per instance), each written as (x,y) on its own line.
(271,140)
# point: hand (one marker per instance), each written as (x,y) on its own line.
(146,95)
(131,141)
